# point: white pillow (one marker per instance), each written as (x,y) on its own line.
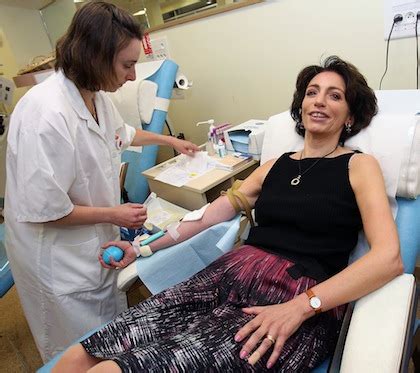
(126,100)
(394,140)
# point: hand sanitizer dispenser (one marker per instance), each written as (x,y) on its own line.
(210,136)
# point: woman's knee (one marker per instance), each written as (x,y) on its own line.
(75,359)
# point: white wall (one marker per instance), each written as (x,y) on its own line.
(244,63)
(57,17)
(22,38)
(25,32)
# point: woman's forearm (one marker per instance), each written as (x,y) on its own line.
(367,274)
(219,211)
(85,215)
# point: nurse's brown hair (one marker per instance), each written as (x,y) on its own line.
(86,52)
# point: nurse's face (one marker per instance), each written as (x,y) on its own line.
(124,64)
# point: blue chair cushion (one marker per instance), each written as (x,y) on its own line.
(6,278)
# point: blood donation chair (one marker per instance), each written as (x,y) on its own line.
(144,103)
(6,279)
(378,329)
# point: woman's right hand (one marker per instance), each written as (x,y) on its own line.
(129,215)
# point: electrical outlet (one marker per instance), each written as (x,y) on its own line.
(407,27)
(160,48)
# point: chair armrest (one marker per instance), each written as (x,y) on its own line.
(127,277)
(177,263)
(378,328)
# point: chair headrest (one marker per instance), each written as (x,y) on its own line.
(393,138)
(136,100)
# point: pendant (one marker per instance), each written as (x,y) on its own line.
(295,181)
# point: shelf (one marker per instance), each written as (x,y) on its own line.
(29,79)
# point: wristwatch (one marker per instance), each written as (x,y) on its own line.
(314,301)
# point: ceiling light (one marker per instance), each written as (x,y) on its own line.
(140,13)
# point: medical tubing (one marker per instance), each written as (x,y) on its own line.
(152,238)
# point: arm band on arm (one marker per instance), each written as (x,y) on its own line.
(232,194)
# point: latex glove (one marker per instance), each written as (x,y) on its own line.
(184,146)
(129,215)
(279,321)
(128,258)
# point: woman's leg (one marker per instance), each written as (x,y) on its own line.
(157,318)
(106,366)
(205,345)
(75,360)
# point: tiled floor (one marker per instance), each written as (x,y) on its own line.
(18,352)
(17,348)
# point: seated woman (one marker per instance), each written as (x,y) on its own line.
(276,303)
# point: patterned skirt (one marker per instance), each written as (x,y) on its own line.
(190,327)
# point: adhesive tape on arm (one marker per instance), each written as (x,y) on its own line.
(145,251)
(136,248)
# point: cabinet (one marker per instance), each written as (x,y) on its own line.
(199,191)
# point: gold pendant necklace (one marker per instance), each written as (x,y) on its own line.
(296,180)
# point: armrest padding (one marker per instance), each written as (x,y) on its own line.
(375,340)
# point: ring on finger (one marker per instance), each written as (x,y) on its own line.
(271,338)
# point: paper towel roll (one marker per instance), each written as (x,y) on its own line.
(181,81)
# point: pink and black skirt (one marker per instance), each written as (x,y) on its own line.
(191,326)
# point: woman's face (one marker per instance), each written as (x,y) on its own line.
(324,107)
(124,64)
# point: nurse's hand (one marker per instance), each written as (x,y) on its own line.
(130,215)
(128,258)
(184,146)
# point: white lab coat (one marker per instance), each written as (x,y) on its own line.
(57,157)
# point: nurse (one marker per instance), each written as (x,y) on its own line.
(62,193)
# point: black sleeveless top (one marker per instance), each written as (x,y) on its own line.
(314,224)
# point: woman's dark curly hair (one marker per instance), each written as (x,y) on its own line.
(359,96)
(86,52)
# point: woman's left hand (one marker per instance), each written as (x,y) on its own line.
(270,328)
(128,258)
(184,146)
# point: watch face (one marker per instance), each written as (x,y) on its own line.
(315,302)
